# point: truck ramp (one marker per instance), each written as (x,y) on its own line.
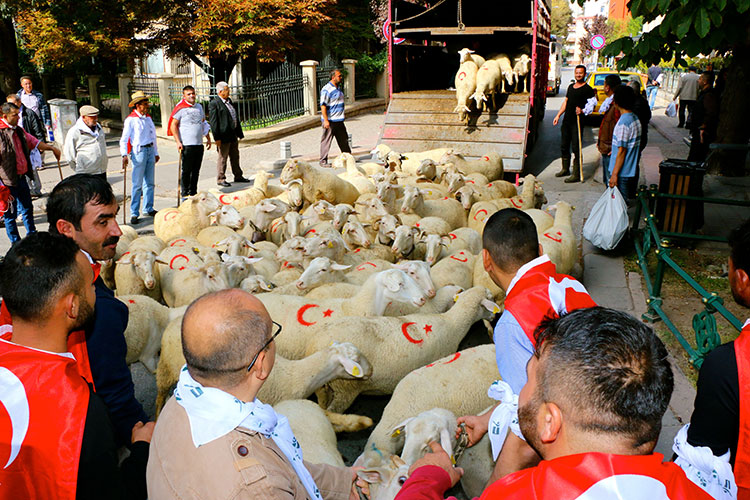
(422,120)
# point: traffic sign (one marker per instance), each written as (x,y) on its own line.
(598,42)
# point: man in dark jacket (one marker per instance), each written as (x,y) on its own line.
(15,164)
(67,445)
(83,208)
(705,118)
(227,130)
(31,123)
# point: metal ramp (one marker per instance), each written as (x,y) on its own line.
(422,120)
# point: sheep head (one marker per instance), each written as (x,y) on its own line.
(352,363)
(268,210)
(464,55)
(413,199)
(236,244)
(294,169)
(404,240)
(427,169)
(397,286)
(454,180)
(143,266)
(434,244)
(419,271)
(341,213)
(385,478)
(256,284)
(228,216)
(294,193)
(343,160)
(293,224)
(320,271)
(386,226)
(354,234)
(436,424)
(465,196)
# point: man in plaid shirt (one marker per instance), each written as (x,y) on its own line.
(626,141)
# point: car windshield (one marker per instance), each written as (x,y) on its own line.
(599,78)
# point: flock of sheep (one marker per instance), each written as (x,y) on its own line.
(480,79)
(375,275)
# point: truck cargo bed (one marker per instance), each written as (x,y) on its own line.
(422,120)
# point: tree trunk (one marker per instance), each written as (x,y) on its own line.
(735,109)
(9,70)
(221,67)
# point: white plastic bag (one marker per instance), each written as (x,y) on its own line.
(671,110)
(607,221)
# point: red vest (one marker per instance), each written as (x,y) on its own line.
(43,405)
(180,105)
(598,476)
(540,292)
(76,344)
(742,460)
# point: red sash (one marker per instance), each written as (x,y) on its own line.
(742,460)
(43,405)
(598,476)
(180,105)
(76,345)
(540,293)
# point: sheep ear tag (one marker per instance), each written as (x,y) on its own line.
(352,367)
(400,428)
(330,244)
(455,297)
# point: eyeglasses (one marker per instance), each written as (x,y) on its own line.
(255,358)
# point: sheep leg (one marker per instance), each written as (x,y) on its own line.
(348,423)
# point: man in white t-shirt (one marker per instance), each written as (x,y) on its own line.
(188,125)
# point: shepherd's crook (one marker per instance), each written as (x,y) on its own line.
(580,149)
(179,175)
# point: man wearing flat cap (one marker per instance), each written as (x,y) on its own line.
(85,147)
(139,142)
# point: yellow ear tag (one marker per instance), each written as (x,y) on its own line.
(196,250)
(396,433)
(330,244)
(455,298)
(355,371)
(429,193)
(453,460)
(495,310)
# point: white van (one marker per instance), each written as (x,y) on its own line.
(555,67)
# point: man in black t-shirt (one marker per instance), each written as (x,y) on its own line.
(575,100)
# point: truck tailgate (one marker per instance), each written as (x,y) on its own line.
(422,120)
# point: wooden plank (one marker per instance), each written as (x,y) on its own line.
(464,147)
(446,106)
(468,30)
(517,98)
(485,120)
(453,133)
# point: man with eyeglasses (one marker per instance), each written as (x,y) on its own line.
(214,438)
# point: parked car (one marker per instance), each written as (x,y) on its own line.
(596,81)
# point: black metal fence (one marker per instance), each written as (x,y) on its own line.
(150,87)
(265,102)
(323,73)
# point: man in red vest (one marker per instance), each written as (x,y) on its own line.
(56,439)
(721,418)
(534,290)
(598,385)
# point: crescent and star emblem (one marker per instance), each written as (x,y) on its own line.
(13,397)
(480,211)
(178,256)
(301,314)
(179,240)
(406,333)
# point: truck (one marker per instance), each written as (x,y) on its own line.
(423,45)
(554,73)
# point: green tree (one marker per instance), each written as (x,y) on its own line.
(597,26)
(691,27)
(562,16)
(625,27)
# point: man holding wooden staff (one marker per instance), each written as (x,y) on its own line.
(577,95)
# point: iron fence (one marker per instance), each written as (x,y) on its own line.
(277,97)
(150,87)
(323,73)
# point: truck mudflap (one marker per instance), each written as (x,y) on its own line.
(422,120)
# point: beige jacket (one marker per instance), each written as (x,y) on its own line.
(240,465)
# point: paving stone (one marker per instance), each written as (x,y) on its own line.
(603,271)
(614,297)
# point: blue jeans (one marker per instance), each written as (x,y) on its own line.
(624,184)
(605,169)
(22,205)
(652,91)
(143,180)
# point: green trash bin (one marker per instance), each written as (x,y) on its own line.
(684,178)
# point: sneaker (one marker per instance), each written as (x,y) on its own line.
(152,213)
(223,184)
(134,220)
(241,179)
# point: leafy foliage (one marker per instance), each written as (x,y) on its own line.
(561,17)
(366,71)
(597,26)
(625,27)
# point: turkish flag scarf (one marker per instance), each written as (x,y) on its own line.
(598,476)
(43,405)
(538,292)
(180,105)
(742,460)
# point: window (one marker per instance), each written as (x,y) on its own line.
(599,78)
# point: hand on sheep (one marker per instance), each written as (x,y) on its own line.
(440,458)
(142,432)
(363,485)
(476,426)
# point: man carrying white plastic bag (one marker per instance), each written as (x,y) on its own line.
(608,221)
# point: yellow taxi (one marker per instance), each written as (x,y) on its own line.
(596,81)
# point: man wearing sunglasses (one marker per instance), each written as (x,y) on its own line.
(214,438)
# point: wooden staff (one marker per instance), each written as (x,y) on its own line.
(59,169)
(124,194)
(179,175)
(580,149)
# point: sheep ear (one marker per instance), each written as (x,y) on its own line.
(125,259)
(490,306)
(445,442)
(224,257)
(266,286)
(352,367)
(339,267)
(253,260)
(373,475)
(159,261)
(400,427)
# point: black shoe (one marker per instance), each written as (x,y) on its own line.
(241,179)
(134,220)
(223,184)
(152,213)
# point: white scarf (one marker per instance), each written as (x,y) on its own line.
(606,104)
(503,417)
(213,413)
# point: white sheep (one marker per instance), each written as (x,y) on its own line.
(449,210)
(353,174)
(542,220)
(257,283)
(506,70)
(264,214)
(319,184)
(183,287)
(521,70)
(435,424)
(488,80)
(385,474)
(470,193)
(136,272)
(189,219)
(404,244)
(481,278)
(283,228)
(466,54)
(396,345)
(292,194)
(465,82)
(321,270)
(456,269)
(313,431)
(147,320)
(482,210)
(418,271)
(559,242)
(443,300)
(238,267)
(489,165)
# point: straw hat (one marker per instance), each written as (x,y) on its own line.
(137,97)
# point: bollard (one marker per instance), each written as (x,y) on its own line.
(350,140)
(285,150)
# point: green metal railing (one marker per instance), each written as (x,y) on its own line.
(649,238)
